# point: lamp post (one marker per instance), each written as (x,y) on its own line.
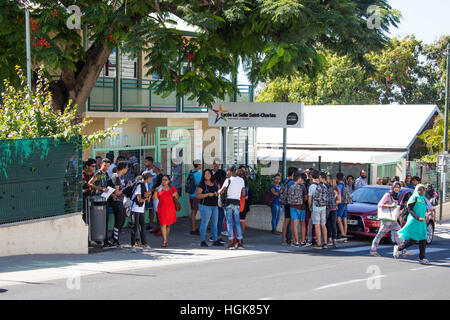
(443,171)
(27,36)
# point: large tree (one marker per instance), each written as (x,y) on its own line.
(405,72)
(270,37)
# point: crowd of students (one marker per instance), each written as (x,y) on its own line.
(314,204)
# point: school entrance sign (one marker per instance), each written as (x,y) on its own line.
(271,115)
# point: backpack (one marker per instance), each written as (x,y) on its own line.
(346,197)
(269,198)
(128,192)
(284,193)
(320,196)
(190,183)
(295,195)
(331,204)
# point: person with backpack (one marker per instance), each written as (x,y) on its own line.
(342,207)
(167,215)
(317,199)
(157,171)
(334,199)
(233,189)
(296,199)
(286,231)
(140,194)
(116,201)
(192,180)
(275,207)
(207,193)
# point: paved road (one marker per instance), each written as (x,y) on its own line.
(272,273)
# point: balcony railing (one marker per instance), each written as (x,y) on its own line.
(137,97)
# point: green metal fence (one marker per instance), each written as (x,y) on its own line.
(39,178)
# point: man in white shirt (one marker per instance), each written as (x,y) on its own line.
(138,210)
(235,189)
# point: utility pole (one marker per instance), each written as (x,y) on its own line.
(443,173)
(27,34)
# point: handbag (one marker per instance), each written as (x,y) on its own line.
(388,213)
(223,197)
(176,202)
(269,198)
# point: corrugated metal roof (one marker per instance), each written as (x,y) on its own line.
(354,126)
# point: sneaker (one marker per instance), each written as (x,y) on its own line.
(217,243)
(221,241)
(231,246)
(303,244)
(325,246)
(396,253)
(317,246)
(146,247)
(211,239)
(195,233)
(284,243)
(133,249)
(149,228)
(240,245)
(203,244)
(224,233)
(117,245)
(341,239)
(333,245)
(406,254)
(424,261)
(107,244)
(374,253)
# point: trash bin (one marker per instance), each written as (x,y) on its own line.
(97,218)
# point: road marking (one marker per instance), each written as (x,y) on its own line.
(357,249)
(428,250)
(421,268)
(338,284)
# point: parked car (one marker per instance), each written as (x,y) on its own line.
(362,217)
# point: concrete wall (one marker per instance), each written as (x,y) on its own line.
(260,217)
(445,213)
(67,234)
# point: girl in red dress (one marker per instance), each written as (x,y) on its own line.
(166,207)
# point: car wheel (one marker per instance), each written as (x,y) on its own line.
(430,232)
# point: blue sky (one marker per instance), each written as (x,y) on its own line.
(428,20)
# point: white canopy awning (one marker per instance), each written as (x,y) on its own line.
(386,127)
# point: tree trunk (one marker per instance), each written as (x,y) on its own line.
(77,86)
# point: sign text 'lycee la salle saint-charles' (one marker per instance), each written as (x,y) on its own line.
(275,115)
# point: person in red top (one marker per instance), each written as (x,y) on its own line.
(167,214)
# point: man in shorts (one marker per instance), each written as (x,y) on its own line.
(319,210)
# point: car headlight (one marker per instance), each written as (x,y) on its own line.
(372,218)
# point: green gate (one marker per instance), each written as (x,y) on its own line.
(160,145)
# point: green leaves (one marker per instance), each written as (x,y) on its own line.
(29,116)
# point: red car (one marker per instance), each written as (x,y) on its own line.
(362,217)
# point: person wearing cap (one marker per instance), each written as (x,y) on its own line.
(193,201)
(219,177)
(234,186)
(157,170)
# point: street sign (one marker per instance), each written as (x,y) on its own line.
(273,115)
(443,162)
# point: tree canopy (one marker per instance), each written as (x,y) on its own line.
(270,37)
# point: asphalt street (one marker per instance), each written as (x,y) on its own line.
(262,271)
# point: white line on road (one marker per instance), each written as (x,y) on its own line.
(333,285)
(421,268)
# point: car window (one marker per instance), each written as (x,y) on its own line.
(368,195)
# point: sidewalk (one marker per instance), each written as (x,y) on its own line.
(184,248)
